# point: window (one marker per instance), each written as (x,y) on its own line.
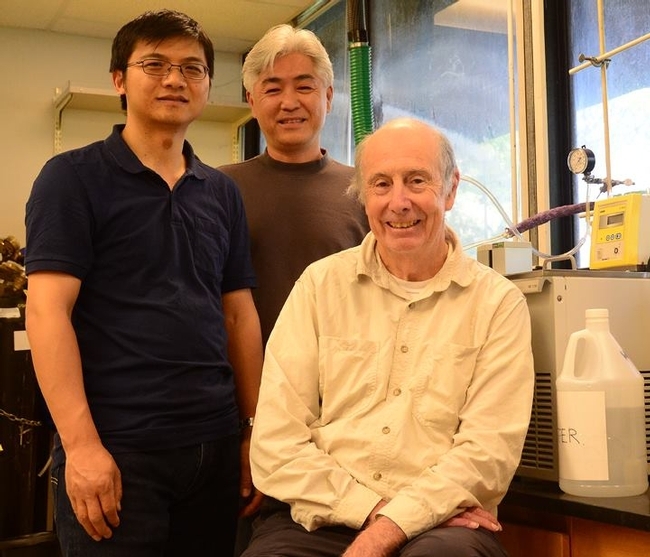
(454,64)
(446,63)
(337,135)
(627,100)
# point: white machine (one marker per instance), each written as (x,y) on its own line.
(506,257)
(557,301)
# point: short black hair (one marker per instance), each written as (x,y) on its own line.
(156,26)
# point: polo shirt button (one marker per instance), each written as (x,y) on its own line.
(397,392)
(404,348)
(385,430)
(376,476)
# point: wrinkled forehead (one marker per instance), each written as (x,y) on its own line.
(400,151)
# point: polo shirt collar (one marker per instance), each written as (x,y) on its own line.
(127,159)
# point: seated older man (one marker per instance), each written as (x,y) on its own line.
(398,380)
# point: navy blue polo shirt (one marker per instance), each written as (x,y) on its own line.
(153,265)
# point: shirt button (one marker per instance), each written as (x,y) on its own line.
(385,430)
(404,348)
(376,476)
(397,392)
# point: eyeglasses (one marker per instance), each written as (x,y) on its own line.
(160,68)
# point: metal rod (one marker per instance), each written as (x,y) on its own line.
(603,79)
(512,96)
(608,55)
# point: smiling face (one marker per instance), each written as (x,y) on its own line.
(171,100)
(290,103)
(405,199)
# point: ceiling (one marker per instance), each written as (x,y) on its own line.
(233,25)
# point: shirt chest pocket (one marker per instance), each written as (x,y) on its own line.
(210,246)
(440,393)
(347,376)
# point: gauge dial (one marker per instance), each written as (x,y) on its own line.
(581,160)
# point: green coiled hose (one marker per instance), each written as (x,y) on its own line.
(363,121)
(361,90)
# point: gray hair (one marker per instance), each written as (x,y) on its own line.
(282,40)
(446,157)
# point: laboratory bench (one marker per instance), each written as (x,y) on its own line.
(539,520)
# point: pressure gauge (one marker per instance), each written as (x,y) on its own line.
(581,160)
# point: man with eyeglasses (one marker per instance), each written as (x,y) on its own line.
(145,339)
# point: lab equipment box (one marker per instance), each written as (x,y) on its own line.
(557,301)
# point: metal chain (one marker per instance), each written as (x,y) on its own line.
(21,421)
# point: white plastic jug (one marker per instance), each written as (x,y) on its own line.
(601,415)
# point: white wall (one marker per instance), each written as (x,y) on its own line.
(34,64)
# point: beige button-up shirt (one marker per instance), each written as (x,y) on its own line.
(371,393)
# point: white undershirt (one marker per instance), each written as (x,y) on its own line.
(411,288)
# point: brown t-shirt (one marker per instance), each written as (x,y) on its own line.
(297,213)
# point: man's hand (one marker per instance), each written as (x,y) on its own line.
(474,517)
(250,497)
(382,538)
(94,486)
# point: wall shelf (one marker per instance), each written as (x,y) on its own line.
(107,100)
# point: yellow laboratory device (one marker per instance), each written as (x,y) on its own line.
(620,234)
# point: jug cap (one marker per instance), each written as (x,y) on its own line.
(597,313)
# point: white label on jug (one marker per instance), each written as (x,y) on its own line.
(582,435)
(20,341)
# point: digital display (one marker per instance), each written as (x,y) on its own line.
(607,221)
(613,220)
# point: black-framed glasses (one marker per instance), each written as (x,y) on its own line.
(161,68)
